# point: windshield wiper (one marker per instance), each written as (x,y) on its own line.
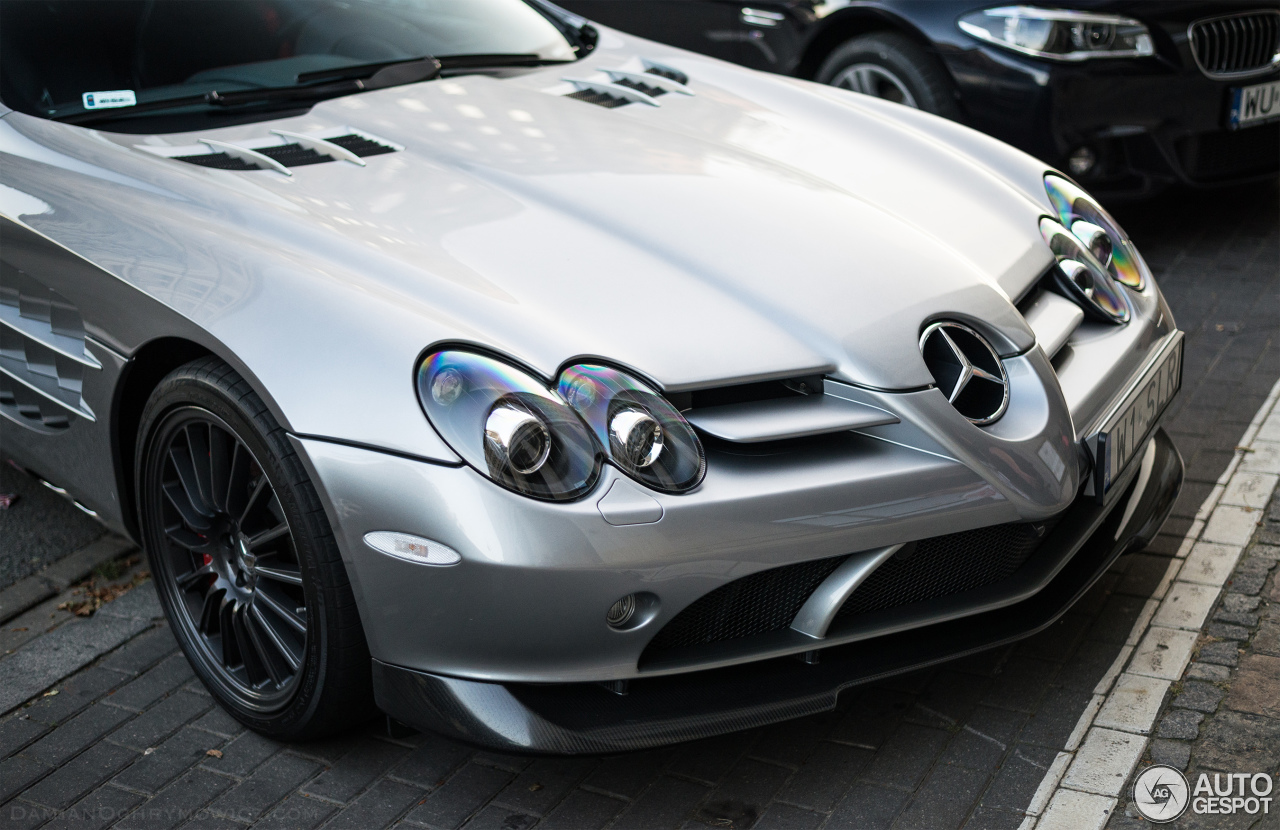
(377,76)
(448,63)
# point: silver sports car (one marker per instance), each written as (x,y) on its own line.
(546,387)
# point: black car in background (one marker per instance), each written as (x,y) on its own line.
(1128,95)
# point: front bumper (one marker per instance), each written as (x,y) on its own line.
(573,718)
(1150,122)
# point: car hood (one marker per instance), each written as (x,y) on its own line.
(762,227)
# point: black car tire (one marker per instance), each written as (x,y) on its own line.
(239,545)
(902,62)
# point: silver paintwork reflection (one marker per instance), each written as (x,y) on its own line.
(787,228)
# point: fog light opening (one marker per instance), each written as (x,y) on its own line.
(1082,161)
(632,611)
(621,612)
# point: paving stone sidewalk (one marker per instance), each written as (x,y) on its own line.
(126,739)
(1223,716)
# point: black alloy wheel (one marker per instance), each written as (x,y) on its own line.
(229,557)
(244,560)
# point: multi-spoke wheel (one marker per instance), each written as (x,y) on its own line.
(243,558)
(891,66)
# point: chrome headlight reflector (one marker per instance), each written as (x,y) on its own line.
(645,436)
(1059,34)
(508,425)
(1082,278)
(1085,217)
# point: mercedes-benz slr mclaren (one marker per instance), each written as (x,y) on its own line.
(547,387)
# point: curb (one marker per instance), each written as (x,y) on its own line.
(1084,782)
(31,591)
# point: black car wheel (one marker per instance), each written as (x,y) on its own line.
(894,67)
(243,558)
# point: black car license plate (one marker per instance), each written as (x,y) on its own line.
(1125,433)
(1251,105)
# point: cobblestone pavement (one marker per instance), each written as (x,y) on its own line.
(1224,715)
(129,736)
(37,529)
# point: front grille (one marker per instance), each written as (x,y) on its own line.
(945,565)
(764,601)
(1236,44)
(1218,156)
(928,569)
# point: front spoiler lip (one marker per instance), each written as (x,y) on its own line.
(585,718)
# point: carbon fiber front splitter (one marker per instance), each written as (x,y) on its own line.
(583,718)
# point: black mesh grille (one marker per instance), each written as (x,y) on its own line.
(600,99)
(945,565)
(769,600)
(764,601)
(1237,43)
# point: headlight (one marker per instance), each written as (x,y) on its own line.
(1059,34)
(646,437)
(1100,233)
(508,425)
(1081,277)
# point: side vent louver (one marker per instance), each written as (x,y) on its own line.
(297,151)
(43,357)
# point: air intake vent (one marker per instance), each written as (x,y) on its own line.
(628,87)
(929,569)
(600,99)
(667,72)
(1238,44)
(298,151)
(945,565)
(764,601)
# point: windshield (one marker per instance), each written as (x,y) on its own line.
(94,60)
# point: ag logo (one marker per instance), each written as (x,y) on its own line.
(1160,794)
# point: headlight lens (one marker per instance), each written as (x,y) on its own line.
(1097,230)
(646,437)
(1059,34)
(508,425)
(1082,277)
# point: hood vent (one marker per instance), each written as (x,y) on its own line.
(667,72)
(625,87)
(298,150)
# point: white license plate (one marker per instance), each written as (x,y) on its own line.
(1255,104)
(1125,433)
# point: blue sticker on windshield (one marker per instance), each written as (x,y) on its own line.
(111,98)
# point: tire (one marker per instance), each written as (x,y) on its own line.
(244,560)
(891,66)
